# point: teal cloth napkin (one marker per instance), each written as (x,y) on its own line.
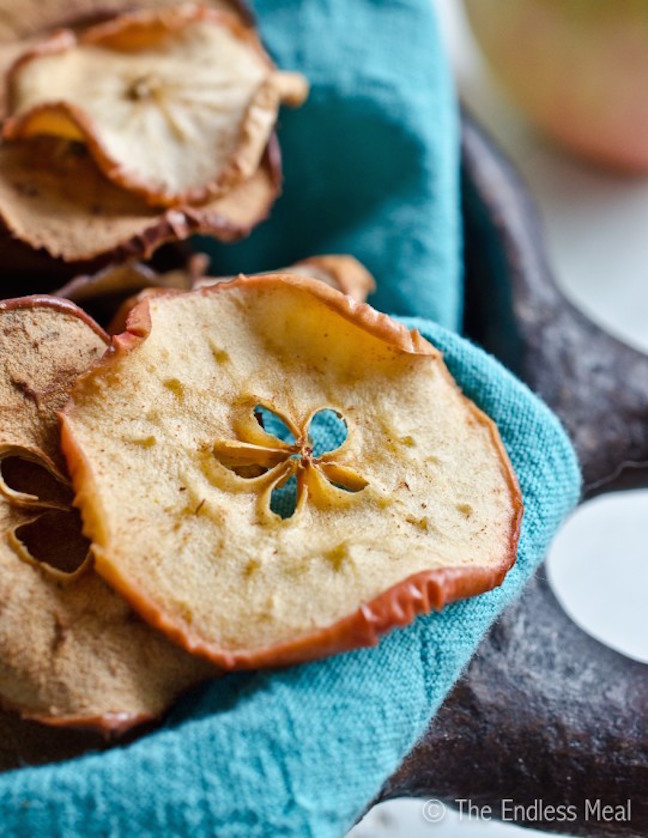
(302,751)
(371,161)
(371,169)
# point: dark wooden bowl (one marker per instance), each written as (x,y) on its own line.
(543,711)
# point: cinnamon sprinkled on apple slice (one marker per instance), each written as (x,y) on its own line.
(204,415)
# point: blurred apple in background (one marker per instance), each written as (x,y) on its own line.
(577,68)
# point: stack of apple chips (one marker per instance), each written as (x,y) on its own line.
(142,129)
(176,440)
(251,472)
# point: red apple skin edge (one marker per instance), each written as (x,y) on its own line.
(577,68)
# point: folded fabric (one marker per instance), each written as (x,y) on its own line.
(371,162)
(302,751)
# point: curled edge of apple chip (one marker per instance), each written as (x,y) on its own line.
(128,278)
(86,660)
(131,278)
(53,199)
(338,270)
(176,105)
(297,593)
(344,273)
(24,19)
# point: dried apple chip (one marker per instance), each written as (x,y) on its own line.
(72,652)
(53,199)
(24,23)
(182,440)
(176,105)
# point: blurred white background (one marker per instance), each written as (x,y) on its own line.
(596,226)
